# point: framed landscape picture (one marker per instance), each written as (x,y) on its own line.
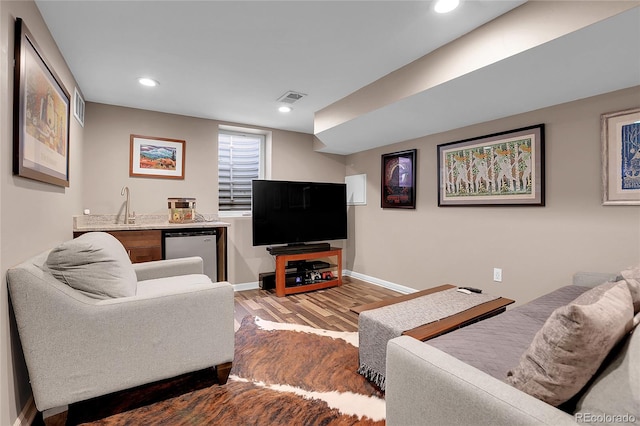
(620,135)
(501,169)
(41,115)
(156,157)
(399,180)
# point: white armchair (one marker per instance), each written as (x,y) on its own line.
(78,347)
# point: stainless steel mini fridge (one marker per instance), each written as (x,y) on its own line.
(200,242)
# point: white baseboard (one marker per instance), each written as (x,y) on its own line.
(382,283)
(27,415)
(245,286)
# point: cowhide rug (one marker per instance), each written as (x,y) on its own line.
(283,374)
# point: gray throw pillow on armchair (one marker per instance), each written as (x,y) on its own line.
(96,264)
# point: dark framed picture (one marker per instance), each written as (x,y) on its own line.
(621,157)
(156,157)
(41,115)
(399,180)
(501,169)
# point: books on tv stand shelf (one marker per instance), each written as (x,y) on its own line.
(300,261)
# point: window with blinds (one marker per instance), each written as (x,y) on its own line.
(239,162)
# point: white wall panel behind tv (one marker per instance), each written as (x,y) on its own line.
(356,190)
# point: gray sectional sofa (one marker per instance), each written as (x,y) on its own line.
(465,377)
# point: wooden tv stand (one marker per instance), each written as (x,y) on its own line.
(281,266)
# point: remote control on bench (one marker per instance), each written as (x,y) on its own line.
(472,289)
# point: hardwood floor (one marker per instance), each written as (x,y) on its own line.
(328,309)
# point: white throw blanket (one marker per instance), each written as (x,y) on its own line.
(377,326)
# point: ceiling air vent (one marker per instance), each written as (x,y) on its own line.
(291,97)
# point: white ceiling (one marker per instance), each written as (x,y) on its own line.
(597,59)
(232,60)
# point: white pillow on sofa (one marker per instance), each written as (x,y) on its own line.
(96,264)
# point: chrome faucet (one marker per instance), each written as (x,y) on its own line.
(128,219)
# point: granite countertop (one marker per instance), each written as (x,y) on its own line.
(96,222)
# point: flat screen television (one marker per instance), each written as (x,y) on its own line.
(287,212)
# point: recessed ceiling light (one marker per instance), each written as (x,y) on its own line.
(445,6)
(285,108)
(147,82)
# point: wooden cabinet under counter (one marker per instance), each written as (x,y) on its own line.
(142,246)
(145,245)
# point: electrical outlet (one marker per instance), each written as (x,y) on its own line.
(497,275)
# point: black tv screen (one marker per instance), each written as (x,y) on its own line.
(286,212)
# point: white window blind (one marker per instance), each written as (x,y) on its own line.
(239,162)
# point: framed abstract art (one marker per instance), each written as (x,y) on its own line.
(501,169)
(620,136)
(398,187)
(41,110)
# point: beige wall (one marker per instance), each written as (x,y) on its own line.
(107,152)
(538,248)
(34,215)
(107,158)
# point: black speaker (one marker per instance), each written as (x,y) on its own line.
(267,280)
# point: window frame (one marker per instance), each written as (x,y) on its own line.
(263,169)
